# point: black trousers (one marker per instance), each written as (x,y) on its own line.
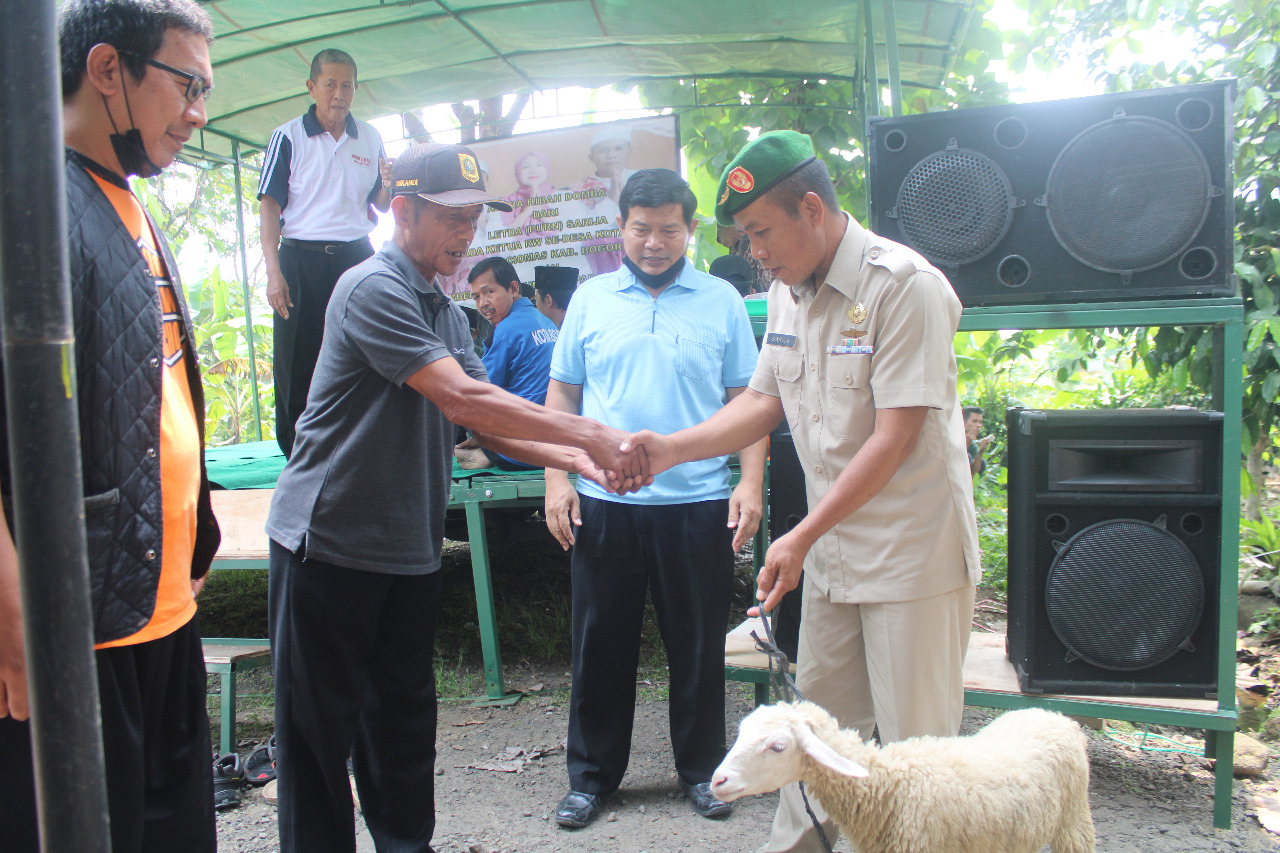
(155,733)
(683,554)
(353,658)
(311,276)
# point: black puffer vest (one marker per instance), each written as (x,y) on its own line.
(118,370)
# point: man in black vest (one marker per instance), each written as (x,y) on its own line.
(134,78)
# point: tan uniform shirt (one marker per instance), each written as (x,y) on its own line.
(918,536)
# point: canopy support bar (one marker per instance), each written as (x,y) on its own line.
(44,442)
(244,279)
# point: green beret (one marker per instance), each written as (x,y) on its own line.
(759,166)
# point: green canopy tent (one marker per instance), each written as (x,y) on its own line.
(421,52)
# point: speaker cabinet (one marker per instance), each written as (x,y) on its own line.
(788,505)
(1125,195)
(1115,539)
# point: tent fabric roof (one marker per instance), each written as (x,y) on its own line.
(419,52)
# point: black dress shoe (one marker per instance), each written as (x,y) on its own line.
(577,810)
(703,801)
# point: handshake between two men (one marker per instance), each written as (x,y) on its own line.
(639,457)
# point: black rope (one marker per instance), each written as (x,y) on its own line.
(784,688)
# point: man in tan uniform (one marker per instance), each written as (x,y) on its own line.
(858,357)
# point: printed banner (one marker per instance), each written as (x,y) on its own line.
(564,186)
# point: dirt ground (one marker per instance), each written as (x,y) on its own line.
(501,773)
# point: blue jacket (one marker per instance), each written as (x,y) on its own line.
(519,359)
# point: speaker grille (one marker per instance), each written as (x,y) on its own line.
(954,206)
(1124,594)
(1128,194)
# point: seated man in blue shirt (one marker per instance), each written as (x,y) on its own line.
(519,358)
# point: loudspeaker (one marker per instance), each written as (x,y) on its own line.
(1117,196)
(788,505)
(1115,533)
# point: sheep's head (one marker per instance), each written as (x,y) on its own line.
(770,749)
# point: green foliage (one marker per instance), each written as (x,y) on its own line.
(196,210)
(1261,538)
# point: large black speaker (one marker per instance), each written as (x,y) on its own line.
(788,505)
(1115,533)
(1124,195)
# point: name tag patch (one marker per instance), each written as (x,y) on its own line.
(777,339)
(846,349)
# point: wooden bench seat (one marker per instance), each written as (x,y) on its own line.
(227,656)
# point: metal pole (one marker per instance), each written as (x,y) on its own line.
(244,280)
(891,51)
(44,441)
(872,76)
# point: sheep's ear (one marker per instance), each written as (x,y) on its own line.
(820,751)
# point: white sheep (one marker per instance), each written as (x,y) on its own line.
(1017,785)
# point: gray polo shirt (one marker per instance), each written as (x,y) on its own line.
(368,482)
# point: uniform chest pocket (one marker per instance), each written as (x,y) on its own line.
(695,356)
(788,368)
(850,408)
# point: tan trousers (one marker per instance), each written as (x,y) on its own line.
(898,666)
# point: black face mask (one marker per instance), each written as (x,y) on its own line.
(652,281)
(128,147)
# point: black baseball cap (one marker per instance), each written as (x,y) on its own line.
(446,174)
(733,269)
(558,279)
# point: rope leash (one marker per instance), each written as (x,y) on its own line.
(784,688)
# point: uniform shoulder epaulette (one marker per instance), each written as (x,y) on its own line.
(900,261)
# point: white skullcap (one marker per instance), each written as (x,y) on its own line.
(611,133)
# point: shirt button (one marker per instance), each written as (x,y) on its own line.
(816,312)
(813,365)
(775,370)
(151,554)
(848,379)
(151,453)
(875,253)
(817,469)
(816,418)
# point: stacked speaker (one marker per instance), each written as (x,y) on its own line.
(1115,534)
(1116,196)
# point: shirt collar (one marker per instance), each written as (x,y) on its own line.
(401,262)
(520,305)
(847,264)
(686,278)
(312,126)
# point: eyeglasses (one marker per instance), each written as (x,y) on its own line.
(196,86)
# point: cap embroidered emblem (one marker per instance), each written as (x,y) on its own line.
(740,180)
(470,170)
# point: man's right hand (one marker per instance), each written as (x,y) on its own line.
(562,510)
(630,466)
(278,294)
(659,449)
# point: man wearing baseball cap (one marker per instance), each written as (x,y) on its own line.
(357,518)
(858,356)
(735,270)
